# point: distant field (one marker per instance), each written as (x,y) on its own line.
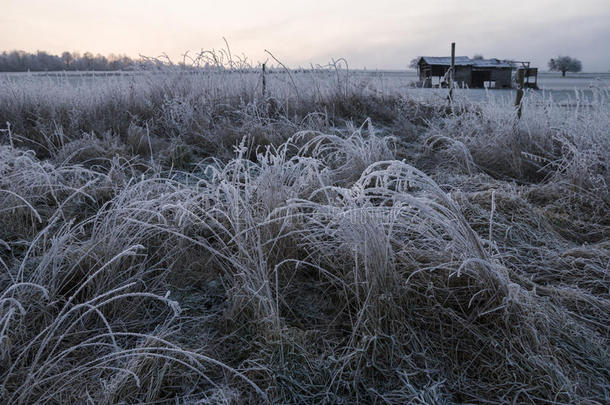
(576,87)
(332,238)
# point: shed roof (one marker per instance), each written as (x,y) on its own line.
(492,63)
(466,61)
(446,60)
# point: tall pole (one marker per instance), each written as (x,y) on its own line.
(452,71)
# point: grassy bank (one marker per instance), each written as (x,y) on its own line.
(179,237)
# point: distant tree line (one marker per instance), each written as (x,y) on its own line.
(41,61)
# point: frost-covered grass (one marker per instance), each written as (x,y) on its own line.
(181,238)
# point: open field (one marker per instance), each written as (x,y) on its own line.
(578,87)
(181,238)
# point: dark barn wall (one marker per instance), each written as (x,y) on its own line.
(463,76)
(426,70)
(479,77)
(423,69)
(502,77)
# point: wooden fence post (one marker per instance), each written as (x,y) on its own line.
(519,99)
(264,82)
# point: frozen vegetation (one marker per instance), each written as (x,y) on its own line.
(179,237)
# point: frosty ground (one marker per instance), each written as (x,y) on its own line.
(180,237)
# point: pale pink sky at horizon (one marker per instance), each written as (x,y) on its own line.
(382,34)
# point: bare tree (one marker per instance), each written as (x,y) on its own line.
(565,64)
(414,64)
(477,56)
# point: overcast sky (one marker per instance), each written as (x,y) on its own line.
(376,34)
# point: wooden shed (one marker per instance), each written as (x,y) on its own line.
(473,73)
